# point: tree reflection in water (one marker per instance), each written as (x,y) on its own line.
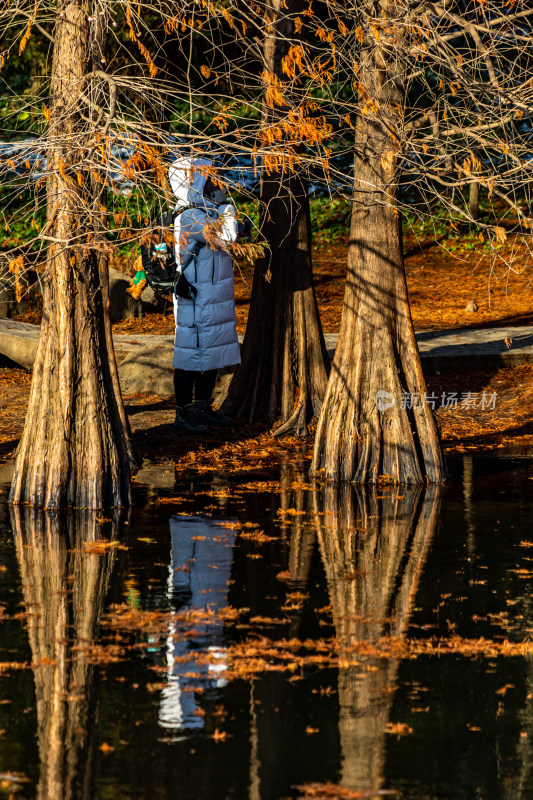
(373,546)
(64,584)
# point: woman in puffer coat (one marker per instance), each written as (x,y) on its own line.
(206,333)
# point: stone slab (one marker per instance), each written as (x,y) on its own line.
(145,360)
(460,348)
(18,342)
(6,473)
(148,369)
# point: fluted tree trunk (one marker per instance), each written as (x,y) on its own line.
(366,428)
(284,360)
(76,446)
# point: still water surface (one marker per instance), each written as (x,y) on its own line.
(239,640)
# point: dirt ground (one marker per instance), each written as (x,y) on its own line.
(245,449)
(440,281)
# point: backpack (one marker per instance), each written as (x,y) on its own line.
(159,261)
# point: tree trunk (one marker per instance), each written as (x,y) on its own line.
(366,429)
(76,447)
(473,200)
(284,360)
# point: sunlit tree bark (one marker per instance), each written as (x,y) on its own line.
(439,93)
(284,360)
(76,448)
(358,439)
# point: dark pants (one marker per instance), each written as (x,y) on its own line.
(201,383)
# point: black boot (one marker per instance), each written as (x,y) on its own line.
(186,420)
(206,414)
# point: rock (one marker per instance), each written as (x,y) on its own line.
(6,472)
(152,302)
(222,385)
(121,304)
(471,307)
(148,370)
(18,342)
(158,476)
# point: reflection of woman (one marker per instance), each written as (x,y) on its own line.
(206,332)
(200,568)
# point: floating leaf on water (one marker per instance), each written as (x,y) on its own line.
(398,728)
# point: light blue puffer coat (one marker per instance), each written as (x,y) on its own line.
(206,328)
